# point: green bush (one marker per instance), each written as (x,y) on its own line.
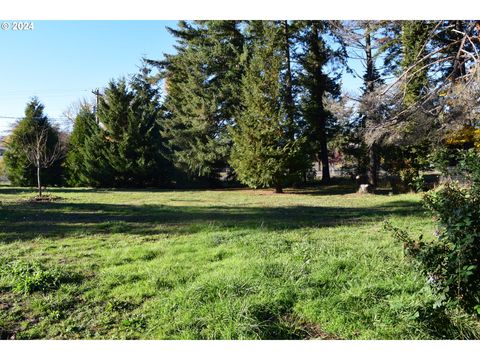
(452,260)
(456,269)
(408,176)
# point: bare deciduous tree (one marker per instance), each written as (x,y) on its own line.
(38,154)
(448,103)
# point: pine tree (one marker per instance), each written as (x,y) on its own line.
(408,58)
(151,154)
(75,164)
(415,35)
(97,170)
(20,169)
(125,148)
(301,164)
(117,146)
(202,84)
(371,80)
(315,85)
(263,148)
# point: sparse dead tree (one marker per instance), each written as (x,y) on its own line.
(361,41)
(459,55)
(72,111)
(451,55)
(39,155)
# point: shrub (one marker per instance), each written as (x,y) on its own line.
(452,260)
(418,183)
(458,214)
(408,176)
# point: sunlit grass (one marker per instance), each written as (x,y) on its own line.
(233,264)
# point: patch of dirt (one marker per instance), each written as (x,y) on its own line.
(44,199)
(4,306)
(309,330)
(6,334)
(270,192)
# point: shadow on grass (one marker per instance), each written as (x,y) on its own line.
(24,221)
(448,324)
(6,190)
(337,187)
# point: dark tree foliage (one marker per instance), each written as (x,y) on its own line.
(315,84)
(407,161)
(125,148)
(152,165)
(202,82)
(76,161)
(415,41)
(263,148)
(20,171)
(261,100)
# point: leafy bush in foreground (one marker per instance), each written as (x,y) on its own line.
(452,260)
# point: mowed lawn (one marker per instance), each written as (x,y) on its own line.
(227,264)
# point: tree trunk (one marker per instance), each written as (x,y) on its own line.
(370,78)
(459,68)
(372,172)
(373,166)
(324,160)
(278,189)
(290,107)
(39,183)
(318,98)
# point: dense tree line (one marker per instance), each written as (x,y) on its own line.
(260,101)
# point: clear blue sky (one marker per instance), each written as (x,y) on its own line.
(62,61)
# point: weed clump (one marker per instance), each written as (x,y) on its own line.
(28,277)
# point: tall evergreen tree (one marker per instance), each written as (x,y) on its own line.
(125,147)
(97,170)
(21,171)
(203,94)
(288,77)
(315,83)
(371,80)
(76,161)
(129,116)
(151,153)
(118,133)
(415,37)
(263,147)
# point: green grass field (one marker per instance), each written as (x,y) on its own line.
(232,264)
